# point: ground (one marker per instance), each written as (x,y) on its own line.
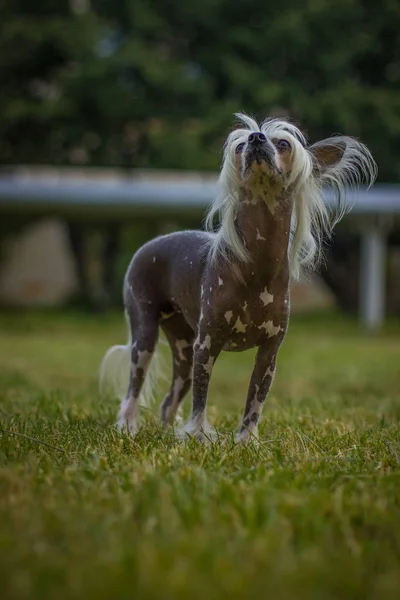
(312,511)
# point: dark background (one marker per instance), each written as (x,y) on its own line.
(154,84)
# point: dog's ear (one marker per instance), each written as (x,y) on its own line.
(327,154)
(343,161)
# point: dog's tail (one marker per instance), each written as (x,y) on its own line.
(115,369)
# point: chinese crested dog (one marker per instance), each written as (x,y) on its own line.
(229,289)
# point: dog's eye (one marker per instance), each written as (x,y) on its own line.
(283,145)
(239,148)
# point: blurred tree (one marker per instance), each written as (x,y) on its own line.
(41,45)
(154,83)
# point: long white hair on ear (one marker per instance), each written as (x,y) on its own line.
(312,217)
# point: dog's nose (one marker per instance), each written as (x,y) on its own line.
(257,138)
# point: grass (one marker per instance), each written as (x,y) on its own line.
(312,511)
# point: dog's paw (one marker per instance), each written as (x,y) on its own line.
(246,436)
(128,426)
(202,434)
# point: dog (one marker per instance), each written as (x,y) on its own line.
(228,288)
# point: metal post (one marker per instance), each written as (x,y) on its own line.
(372,276)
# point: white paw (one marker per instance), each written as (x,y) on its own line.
(130,426)
(169,422)
(203,433)
(178,417)
(246,436)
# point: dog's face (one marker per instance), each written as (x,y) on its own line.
(260,155)
(273,161)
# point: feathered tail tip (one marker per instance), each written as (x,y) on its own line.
(114,371)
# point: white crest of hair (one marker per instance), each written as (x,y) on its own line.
(115,369)
(312,217)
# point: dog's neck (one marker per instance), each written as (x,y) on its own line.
(263,223)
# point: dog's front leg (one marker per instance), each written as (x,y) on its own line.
(260,383)
(205,354)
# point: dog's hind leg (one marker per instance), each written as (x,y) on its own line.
(180,337)
(144,328)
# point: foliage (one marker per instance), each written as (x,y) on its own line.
(154,83)
(313,511)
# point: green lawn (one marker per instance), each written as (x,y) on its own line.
(312,511)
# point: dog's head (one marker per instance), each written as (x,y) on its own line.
(273,163)
(275,156)
(268,155)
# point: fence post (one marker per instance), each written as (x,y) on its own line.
(372,275)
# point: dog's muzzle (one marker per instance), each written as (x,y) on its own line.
(259,149)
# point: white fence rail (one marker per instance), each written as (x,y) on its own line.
(109,195)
